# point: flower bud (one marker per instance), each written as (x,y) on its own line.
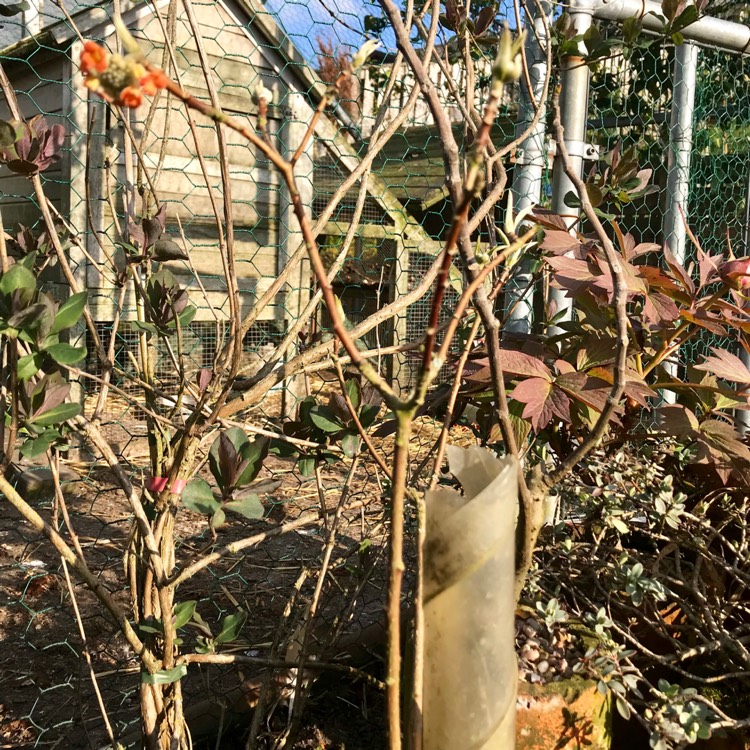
(364,53)
(736,273)
(261,93)
(507,67)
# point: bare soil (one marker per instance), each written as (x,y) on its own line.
(46,694)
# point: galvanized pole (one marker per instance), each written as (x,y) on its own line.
(680,148)
(707,31)
(678,163)
(742,417)
(530,158)
(574,99)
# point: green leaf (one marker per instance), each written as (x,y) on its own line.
(29,365)
(353,391)
(187,315)
(17,277)
(369,414)
(199,497)
(231,627)
(306,466)
(8,134)
(350,444)
(572,200)
(69,312)
(56,415)
(218,518)
(151,626)
(183,613)
(249,506)
(147,327)
(324,419)
(37,446)
(254,453)
(65,354)
(165,676)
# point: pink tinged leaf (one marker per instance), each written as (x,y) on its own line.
(725,365)
(659,309)
(559,243)
(708,267)
(635,385)
(546,218)
(534,392)
(633,281)
(704,320)
(560,404)
(591,391)
(678,271)
(736,272)
(724,438)
(643,248)
(203,378)
(655,278)
(570,268)
(563,366)
(678,420)
(514,362)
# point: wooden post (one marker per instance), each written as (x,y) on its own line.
(402,374)
(292,301)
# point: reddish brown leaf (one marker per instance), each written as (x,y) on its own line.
(643,248)
(591,391)
(543,401)
(708,267)
(512,361)
(635,284)
(563,366)
(546,218)
(704,320)
(725,438)
(657,279)
(559,242)
(659,309)
(678,420)
(678,271)
(725,365)
(570,268)
(534,392)
(635,386)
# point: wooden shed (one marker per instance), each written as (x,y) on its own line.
(243,45)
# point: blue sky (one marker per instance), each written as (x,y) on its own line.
(340,21)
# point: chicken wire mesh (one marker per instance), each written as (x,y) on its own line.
(291,47)
(632,103)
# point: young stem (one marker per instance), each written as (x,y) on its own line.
(398,495)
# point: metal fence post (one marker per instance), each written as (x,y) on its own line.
(574,98)
(530,159)
(742,417)
(680,148)
(678,161)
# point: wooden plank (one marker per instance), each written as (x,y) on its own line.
(169,131)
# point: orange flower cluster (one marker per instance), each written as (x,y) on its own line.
(118,79)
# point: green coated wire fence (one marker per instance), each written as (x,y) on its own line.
(400,211)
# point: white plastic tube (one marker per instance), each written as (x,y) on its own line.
(469,606)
